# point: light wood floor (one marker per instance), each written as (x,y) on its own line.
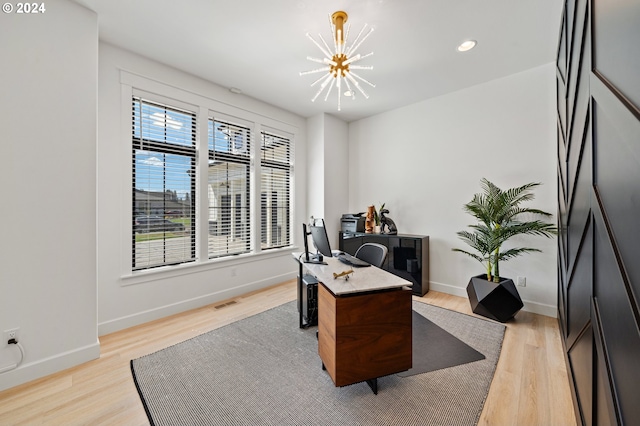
(530,386)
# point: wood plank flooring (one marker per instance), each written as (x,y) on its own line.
(530,386)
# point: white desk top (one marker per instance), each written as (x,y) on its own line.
(364,279)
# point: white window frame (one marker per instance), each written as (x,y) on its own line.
(133,84)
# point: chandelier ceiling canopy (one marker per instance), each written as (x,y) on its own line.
(340,61)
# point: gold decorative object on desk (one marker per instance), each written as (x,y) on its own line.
(344,274)
(370,221)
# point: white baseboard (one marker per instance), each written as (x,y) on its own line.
(448,289)
(44,367)
(185,305)
(541,309)
(534,307)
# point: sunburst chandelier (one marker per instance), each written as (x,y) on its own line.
(340,64)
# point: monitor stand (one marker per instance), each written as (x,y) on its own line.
(314,258)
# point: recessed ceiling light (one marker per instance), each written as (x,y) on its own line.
(466,45)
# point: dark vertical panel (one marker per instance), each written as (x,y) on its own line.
(561,57)
(580,290)
(562,315)
(604,408)
(581,365)
(599,172)
(621,339)
(562,165)
(617,173)
(616,53)
(561,100)
(580,203)
(579,59)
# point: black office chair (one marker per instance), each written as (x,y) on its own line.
(372,253)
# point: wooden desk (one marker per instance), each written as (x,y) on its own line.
(364,323)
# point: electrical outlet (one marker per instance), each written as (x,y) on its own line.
(12,333)
(522,281)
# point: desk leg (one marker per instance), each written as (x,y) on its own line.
(373,384)
(300,295)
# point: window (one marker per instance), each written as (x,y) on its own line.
(275,185)
(182,213)
(164,159)
(229,188)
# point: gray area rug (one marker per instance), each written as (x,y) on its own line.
(264,370)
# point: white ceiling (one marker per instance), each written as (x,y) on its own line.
(259,46)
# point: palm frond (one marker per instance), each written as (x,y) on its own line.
(475,256)
(500,217)
(515,252)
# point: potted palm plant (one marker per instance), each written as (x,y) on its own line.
(500,216)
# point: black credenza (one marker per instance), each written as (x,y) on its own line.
(408,255)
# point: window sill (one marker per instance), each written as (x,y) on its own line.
(196,267)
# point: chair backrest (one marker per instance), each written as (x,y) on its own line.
(372,253)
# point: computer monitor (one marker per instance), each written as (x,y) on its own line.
(321,239)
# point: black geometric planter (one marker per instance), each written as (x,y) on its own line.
(498,301)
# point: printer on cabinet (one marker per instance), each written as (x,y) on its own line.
(352,223)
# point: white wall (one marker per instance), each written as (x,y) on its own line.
(426,160)
(48,102)
(327,171)
(314,166)
(127,299)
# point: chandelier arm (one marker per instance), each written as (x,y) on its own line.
(353,50)
(357,58)
(350,60)
(349,50)
(346,80)
(361,67)
(323,69)
(353,80)
(362,79)
(322,86)
(319,80)
(326,52)
(323,61)
(346,34)
(339,90)
(332,28)
(329,90)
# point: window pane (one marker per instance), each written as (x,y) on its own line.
(228,189)
(160,123)
(276,154)
(163,222)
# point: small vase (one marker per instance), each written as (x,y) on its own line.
(376,229)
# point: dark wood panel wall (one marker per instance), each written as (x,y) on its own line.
(598,93)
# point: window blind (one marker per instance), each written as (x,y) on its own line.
(163,193)
(229,188)
(276,164)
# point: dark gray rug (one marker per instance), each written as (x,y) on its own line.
(264,370)
(434,348)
